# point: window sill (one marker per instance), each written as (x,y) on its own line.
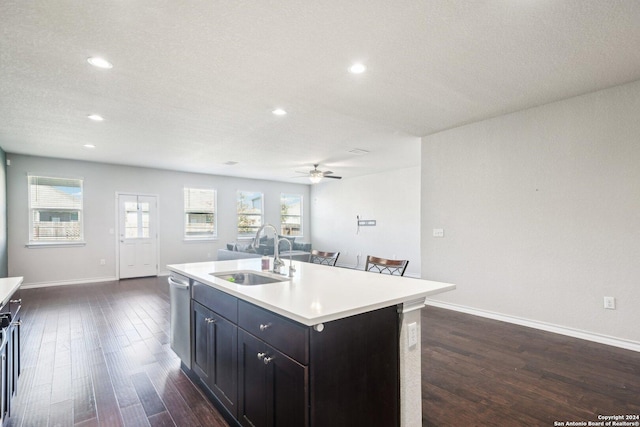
(34,245)
(199,239)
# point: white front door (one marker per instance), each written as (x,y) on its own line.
(138,235)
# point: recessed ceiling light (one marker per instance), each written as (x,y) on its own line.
(357,68)
(95,117)
(96,61)
(279,112)
(89,146)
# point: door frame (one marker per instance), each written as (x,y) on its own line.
(117,231)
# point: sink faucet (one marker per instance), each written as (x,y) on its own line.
(277,262)
(292,269)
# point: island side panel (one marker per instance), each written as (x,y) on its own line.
(354,371)
(410,365)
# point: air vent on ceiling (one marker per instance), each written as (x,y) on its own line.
(358,151)
(230,163)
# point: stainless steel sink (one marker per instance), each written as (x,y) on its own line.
(248,277)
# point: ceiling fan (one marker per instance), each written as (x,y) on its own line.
(315,175)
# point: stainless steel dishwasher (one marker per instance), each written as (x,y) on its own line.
(180,296)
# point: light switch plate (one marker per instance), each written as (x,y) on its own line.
(610,303)
(438,232)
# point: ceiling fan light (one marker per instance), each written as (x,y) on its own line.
(315,177)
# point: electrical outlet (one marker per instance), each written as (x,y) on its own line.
(412,335)
(610,303)
(103,262)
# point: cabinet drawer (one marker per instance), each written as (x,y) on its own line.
(218,301)
(289,337)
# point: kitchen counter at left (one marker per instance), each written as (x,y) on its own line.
(8,286)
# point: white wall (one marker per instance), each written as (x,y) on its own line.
(4,259)
(541,212)
(101,182)
(391,198)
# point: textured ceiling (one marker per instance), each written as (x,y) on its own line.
(194,82)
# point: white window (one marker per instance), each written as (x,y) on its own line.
(200,213)
(291,214)
(55,210)
(249,207)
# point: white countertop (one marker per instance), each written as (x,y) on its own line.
(8,285)
(316,293)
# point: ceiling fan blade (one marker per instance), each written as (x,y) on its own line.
(325,173)
(333,176)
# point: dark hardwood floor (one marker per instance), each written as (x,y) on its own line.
(482,372)
(98,355)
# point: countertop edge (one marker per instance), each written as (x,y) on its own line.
(8,286)
(311,321)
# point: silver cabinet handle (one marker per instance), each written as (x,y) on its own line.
(209,320)
(264,327)
(267,359)
(261,356)
(16,301)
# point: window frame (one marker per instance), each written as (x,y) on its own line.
(247,235)
(207,236)
(34,241)
(283,197)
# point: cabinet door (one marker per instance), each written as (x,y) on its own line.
(201,341)
(223,358)
(252,381)
(273,389)
(287,391)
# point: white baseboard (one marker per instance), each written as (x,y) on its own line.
(549,327)
(67,282)
(77,281)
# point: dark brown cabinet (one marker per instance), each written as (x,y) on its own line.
(273,388)
(215,355)
(267,370)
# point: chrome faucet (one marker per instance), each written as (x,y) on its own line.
(292,269)
(277,262)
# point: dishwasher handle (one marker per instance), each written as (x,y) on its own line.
(179,285)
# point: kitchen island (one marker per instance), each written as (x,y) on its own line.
(328,346)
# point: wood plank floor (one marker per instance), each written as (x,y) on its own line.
(98,355)
(482,372)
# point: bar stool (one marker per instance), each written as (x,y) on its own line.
(395,267)
(324,258)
